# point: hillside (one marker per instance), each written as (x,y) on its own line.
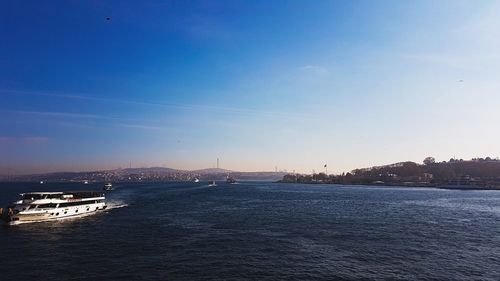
(478,172)
(153,174)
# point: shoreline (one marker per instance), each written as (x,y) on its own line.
(447,187)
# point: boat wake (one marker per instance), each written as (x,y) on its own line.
(116,205)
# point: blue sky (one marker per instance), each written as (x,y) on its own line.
(292,84)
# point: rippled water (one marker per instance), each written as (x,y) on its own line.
(262,231)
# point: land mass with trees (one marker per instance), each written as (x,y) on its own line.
(153,174)
(477,173)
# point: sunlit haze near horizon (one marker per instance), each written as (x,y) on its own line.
(260,84)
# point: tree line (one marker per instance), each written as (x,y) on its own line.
(479,170)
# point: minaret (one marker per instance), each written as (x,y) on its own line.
(217,162)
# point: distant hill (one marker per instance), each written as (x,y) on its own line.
(457,173)
(212,171)
(263,176)
(159,170)
(153,174)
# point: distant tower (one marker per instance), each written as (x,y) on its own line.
(275,169)
(217,162)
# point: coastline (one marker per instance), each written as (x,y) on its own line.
(387,185)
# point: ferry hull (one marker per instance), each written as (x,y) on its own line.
(55,214)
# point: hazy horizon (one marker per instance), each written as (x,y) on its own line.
(287,84)
(320,169)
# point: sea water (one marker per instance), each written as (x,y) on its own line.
(260,231)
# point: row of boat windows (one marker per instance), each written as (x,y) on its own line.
(67,204)
(76,211)
(57,196)
(40,196)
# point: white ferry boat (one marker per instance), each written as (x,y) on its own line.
(45,206)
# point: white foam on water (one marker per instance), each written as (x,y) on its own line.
(115,205)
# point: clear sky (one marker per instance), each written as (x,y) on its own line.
(292,84)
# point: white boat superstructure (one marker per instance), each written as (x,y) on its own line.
(108,187)
(45,206)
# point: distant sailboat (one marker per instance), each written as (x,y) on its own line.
(212,183)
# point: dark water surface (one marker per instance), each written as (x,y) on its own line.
(261,231)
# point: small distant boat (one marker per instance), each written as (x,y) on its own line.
(230,180)
(85,182)
(196,180)
(212,183)
(108,186)
(42,182)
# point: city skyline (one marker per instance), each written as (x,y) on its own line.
(293,84)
